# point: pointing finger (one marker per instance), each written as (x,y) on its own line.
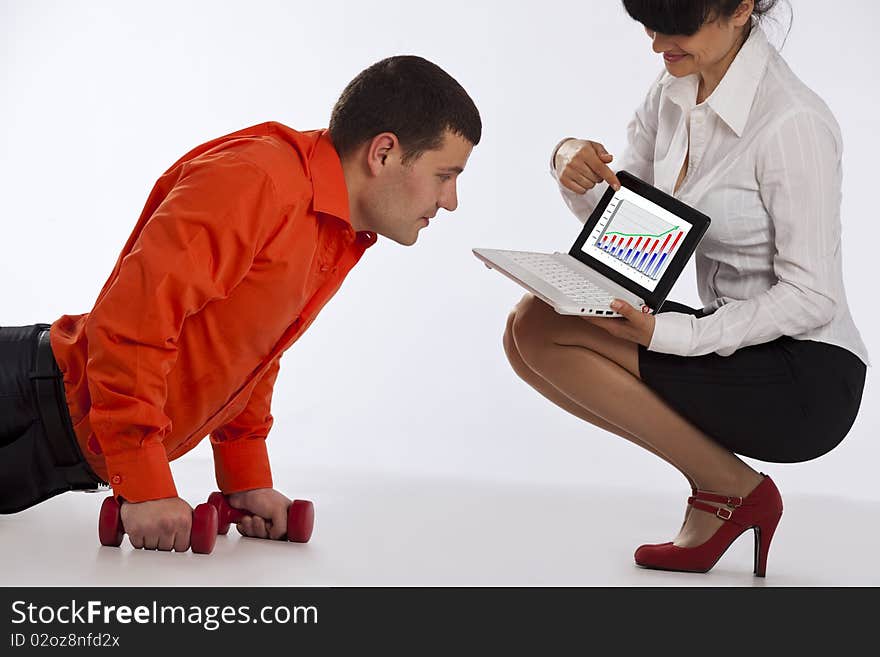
(599,167)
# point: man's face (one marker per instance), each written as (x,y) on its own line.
(405,197)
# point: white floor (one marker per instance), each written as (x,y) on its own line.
(380,530)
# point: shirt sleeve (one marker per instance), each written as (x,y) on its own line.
(241,461)
(799,177)
(637,158)
(196,247)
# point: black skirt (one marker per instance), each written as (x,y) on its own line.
(783,401)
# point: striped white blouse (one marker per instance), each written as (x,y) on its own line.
(765,165)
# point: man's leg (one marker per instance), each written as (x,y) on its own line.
(28,470)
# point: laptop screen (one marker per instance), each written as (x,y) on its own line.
(636,238)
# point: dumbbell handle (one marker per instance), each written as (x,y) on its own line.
(202,537)
(300,517)
(233,516)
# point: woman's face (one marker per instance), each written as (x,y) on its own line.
(707,48)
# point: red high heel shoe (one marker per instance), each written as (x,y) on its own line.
(760,511)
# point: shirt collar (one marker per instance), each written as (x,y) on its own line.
(733,97)
(329,193)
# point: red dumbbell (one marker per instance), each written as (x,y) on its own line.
(300,517)
(202,537)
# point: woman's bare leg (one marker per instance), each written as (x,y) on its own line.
(546,389)
(599,373)
(552,393)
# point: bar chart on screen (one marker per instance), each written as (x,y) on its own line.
(639,239)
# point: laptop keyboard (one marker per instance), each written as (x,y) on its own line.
(565,279)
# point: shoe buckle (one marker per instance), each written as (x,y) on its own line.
(734,502)
(721,510)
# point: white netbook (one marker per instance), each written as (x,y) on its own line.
(633,247)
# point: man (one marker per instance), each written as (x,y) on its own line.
(241,243)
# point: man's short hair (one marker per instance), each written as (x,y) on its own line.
(408,96)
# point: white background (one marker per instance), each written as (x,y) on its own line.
(403,373)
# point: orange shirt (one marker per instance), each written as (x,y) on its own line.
(241,243)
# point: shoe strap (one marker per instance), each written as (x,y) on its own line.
(723,512)
(731,501)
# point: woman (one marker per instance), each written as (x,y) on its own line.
(772,368)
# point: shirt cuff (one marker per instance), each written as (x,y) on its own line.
(553,156)
(242,465)
(673,333)
(142,474)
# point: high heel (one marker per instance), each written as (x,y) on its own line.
(760,510)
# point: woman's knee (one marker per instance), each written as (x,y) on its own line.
(515,329)
(528,329)
(507,340)
(512,352)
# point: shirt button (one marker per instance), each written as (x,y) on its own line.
(116,479)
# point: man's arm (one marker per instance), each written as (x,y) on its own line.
(241,461)
(196,247)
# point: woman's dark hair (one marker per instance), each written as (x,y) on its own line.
(409,96)
(687,16)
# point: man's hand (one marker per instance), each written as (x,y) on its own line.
(269,509)
(158,524)
(582,164)
(635,325)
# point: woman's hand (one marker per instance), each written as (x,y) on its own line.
(582,164)
(635,326)
(269,509)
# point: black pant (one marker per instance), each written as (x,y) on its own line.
(39,454)
(783,401)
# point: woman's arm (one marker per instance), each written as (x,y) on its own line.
(637,158)
(799,176)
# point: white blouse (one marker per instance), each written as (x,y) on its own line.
(765,166)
